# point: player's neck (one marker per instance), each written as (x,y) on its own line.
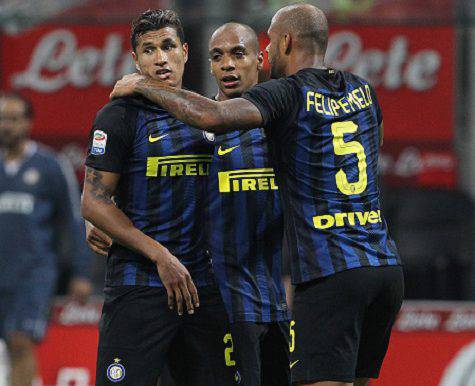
(16,152)
(221,96)
(304,60)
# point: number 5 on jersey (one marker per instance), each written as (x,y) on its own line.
(344,148)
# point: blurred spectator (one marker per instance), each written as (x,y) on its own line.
(39,221)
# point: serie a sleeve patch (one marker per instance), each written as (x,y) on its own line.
(99,142)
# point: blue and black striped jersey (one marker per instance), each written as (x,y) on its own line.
(245,228)
(323,133)
(163,166)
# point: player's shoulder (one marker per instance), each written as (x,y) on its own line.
(353,78)
(118,108)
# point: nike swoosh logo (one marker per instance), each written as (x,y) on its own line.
(155,139)
(292,364)
(226,151)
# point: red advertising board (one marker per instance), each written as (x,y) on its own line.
(413,73)
(68,72)
(433,344)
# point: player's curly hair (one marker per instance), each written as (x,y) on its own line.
(153,20)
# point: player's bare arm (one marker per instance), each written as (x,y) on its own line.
(99,209)
(190,107)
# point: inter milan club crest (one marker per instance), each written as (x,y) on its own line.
(209,136)
(115,371)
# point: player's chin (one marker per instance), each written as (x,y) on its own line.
(232,92)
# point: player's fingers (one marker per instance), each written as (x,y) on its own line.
(100,251)
(99,242)
(96,249)
(187,297)
(101,236)
(193,291)
(99,245)
(114,93)
(170,295)
(178,300)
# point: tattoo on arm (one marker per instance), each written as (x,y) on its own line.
(99,190)
(202,112)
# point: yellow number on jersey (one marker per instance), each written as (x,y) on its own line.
(292,336)
(229,350)
(343,148)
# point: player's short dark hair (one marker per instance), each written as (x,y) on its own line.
(16,95)
(153,20)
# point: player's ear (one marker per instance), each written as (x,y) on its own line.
(136,60)
(287,43)
(260,60)
(185,50)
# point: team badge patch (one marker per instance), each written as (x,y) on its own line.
(209,136)
(99,141)
(31,176)
(115,371)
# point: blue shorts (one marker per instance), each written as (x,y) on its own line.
(25,307)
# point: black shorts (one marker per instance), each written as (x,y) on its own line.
(138,334)
(260,353)
(342,324)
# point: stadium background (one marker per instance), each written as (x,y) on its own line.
(419,54)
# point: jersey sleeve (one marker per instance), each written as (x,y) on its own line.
(111,138)
(277,101)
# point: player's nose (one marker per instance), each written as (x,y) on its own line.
(161,58)
(227,63)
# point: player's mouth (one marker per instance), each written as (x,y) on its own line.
(163,74)
(230,81)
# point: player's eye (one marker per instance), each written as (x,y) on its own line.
(239,54)
(148,50)
(216,57)
(168,47)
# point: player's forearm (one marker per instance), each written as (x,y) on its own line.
(104,215)
(186,106)
(192,108)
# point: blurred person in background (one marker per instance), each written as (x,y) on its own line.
(39,221)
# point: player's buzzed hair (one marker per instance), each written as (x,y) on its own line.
(153,20)
(308,23)
(253,39)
